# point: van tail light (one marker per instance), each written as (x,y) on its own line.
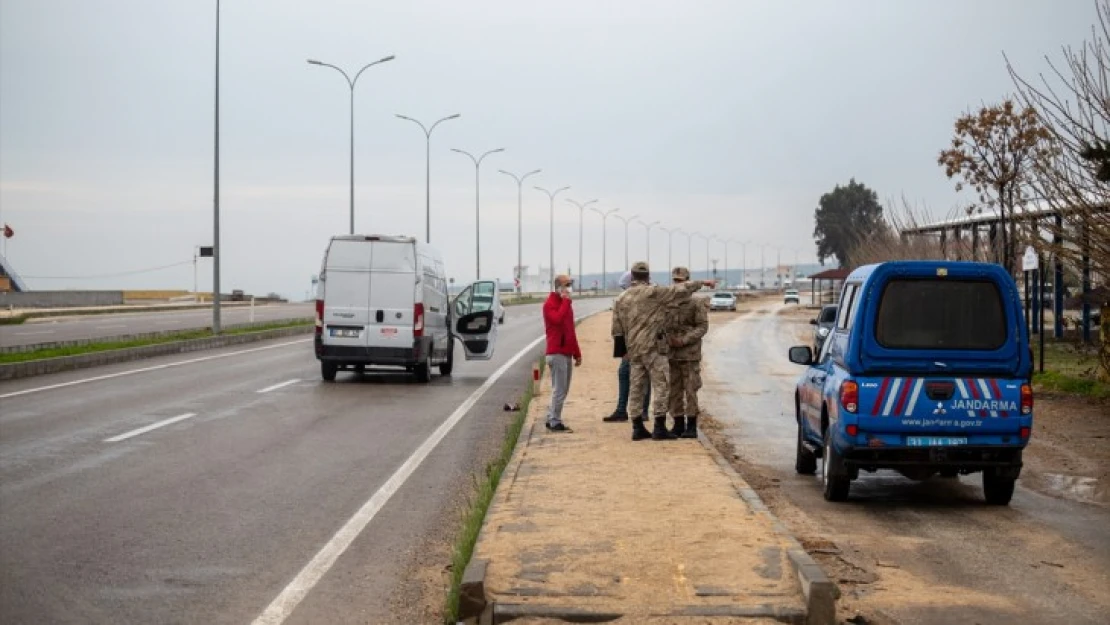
(849,396)
(418,321)
(1026,399)
(319,316)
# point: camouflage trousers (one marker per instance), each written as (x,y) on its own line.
(685,378)
(652,367)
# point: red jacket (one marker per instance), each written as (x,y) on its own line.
(558,322)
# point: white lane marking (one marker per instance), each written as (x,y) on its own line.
(892,397)
(913,397)
(109,376)
(280,385)
(284,604)
(152,426)
(34,333)
(111,327)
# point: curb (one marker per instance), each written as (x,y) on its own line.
(819,591)
(96,312)
(142,336)
(18,370)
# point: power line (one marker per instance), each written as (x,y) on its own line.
(110,275)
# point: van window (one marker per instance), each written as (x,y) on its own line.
(483,297)
(941,314)
(390,256)
(343,254)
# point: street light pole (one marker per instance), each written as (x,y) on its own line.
(581,218)
(762,266)
(428,171)
(351,83)
(707,263)
(216,191)
(551,243)
(604,245)
(670,244)
(648,228)
(690,250)
(519,224)
(626,220)
(477,207)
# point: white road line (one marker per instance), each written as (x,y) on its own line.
(109,376)
(284,604)
(34,333)
(281,385)
(111,327)
(152,426)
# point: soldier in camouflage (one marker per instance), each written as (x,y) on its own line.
(687,323)
(640,316)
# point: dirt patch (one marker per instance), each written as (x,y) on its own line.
(1069,453)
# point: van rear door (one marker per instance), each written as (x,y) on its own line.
(392,294)
(346,288)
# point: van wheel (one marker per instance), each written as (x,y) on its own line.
(328,371)
(501,321)
(805,463)
(997,490)
(424,370)
(837,482)
(447,367)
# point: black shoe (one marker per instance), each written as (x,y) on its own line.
(679,427)
(639,432)
(691,430)
(617,417)
(660,432)
(559,427)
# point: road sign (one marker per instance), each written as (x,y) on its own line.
(206,251)
(1029,261)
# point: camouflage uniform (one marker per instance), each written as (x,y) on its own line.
(640,314)
(687,323)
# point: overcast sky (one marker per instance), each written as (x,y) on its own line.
(724,116)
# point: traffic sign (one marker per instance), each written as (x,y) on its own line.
(1029,261)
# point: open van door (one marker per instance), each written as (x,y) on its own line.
(473,320)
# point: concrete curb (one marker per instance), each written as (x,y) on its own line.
(819,591)
(31,316)
(142,336)
(17,370)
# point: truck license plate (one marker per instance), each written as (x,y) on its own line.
(935,441)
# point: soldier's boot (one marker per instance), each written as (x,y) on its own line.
(691,430)
(660,432)
(679,426)
(639,432)
(617,416)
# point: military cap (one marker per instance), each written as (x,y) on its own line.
(640,267)
(680,273)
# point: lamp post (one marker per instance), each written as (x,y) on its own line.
(477,211)
(648,228)
(519,227)
(626,220)
(725,242)
(428,170)
(581,218)
(604,243)
(670,244)
(707,263)
(551,243)
(762,266)
(351,83)
(690,250)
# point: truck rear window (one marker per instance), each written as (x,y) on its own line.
(941,314)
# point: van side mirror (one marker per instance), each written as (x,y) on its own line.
(801,355)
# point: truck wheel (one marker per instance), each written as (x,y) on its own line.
(997,490)
(328,370)
(805,463)
(424,369)
(837,482)
(949,473)
(449,366)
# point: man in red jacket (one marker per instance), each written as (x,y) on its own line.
(562,348)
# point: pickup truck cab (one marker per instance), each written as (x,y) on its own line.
(925,371)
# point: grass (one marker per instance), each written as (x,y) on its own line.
(1070,369)
(13,320)
(170,337)
(474,513)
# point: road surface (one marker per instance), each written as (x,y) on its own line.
(199,489)
(929,552)
(53,329)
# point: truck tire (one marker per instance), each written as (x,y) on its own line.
(424,369)
(835,478)
(328,370)
(997,489)
(447,367)
(805,463)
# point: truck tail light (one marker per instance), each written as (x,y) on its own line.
(418,321)
(1025,432)
(849,396)
(319,316)
(1026,399)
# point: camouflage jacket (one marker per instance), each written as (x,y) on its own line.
(640,315)
(688,321)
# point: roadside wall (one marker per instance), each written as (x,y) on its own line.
(60,299)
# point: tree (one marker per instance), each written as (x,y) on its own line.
(993,152)
(844,217)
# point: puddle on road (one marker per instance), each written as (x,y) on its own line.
(1074,487)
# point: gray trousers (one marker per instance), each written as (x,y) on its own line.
(561,368)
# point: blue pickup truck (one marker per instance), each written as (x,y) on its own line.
(925,372)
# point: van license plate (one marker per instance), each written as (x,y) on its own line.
(389,331)
(934,441)
(349,333)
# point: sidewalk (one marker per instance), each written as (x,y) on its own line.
(591,527)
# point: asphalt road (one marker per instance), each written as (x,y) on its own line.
(953,558)
(52,329)
(116,507)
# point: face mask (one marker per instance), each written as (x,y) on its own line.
(569,289)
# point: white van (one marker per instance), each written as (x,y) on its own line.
(382,301)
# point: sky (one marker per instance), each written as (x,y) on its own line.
(723,117)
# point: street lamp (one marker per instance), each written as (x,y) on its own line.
(351,83)
(690,250)
(670,243)
(519,227)
(604,241)
(551,244)
(707,263)
(477,211)
(648,228)
(428,170)
(725,242)
(626,220)
(581,217)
